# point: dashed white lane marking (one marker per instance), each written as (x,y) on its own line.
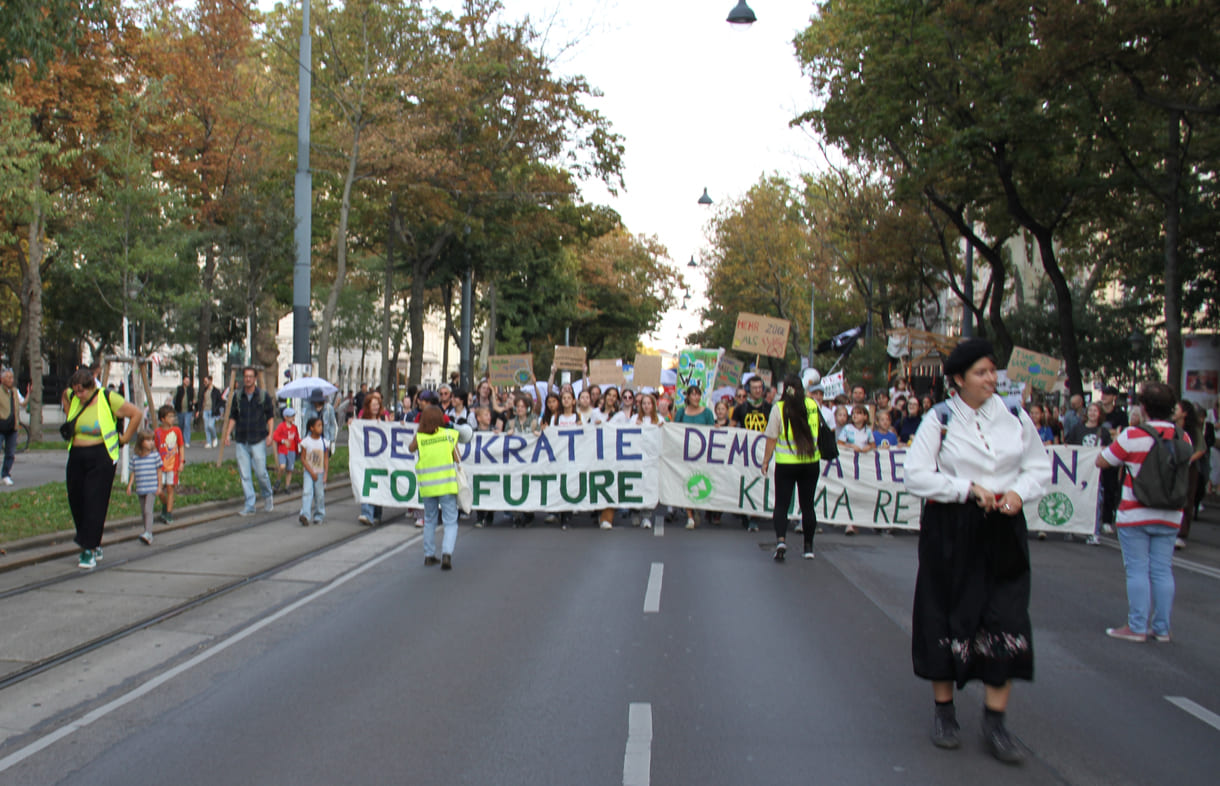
(637,761)
(1200,712)
(658,526)
(42,743)
(652,595)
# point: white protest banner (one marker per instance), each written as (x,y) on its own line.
(562,469)
(719,469)
(622,466)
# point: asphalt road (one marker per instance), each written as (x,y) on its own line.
(589,657)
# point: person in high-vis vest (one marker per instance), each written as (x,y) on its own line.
(93,454)
(437,481)
(792,438)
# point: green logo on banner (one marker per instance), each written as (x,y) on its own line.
(1056,509)
(698,488)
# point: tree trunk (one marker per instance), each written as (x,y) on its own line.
(32,295)
(387,296)
(415,310)
(1063,302)
(398,337)
(203,337)
(447,296)
(1173,272)
(345,208)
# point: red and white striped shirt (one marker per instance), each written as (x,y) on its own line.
(1131,448)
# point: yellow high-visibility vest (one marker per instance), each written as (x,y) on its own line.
(105,419)
(785,448)
(435,469)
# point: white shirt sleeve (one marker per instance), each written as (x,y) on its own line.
(774,424)
(989,447)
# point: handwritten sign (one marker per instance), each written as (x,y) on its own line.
(728,372)
(697,367)
(1040,371)
(606,372)
(647,371)
(833,385)
(510,370)
(761,335)
(570,358)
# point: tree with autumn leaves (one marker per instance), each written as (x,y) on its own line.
(149,162)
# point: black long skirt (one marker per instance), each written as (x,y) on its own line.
(971,617)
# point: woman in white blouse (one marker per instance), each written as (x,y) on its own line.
(977,465)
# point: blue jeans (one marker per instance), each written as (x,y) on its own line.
(209,427)
(253,455)
(184,422)
(448,509)
(9,441)
(371,512)
(313,498)
(1148,557)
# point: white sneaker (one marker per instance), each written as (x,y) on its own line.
(365,520)
(270,506)
(6,480)
(808,555)
(1093,540)
(607,525)
(1107,529)
(146,538)
(690,523)
(646,523)
(1179,544)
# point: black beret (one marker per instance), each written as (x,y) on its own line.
(966,354)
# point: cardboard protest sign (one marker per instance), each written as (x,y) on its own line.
(728,372)
(606,372)
(647,371)
(765,375)
(510,370)
(761,335)
(697,367)
(1040,371)
(570,358)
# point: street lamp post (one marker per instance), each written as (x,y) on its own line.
(302,209)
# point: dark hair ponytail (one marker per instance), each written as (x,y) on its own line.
(796,416)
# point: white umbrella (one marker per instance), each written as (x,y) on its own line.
(301,388)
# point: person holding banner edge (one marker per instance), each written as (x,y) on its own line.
(793,440)
(977,465)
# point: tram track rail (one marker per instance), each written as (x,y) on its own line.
(69,654)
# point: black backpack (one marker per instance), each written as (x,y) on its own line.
(1164,477)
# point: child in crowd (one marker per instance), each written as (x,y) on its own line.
(146,478)
(483,421)
(315,459)
(884,436)
(841,421)
(522,424)
(168,438)
(856,435)
(287,439)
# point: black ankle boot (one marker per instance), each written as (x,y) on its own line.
(944,726)
(999,742)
